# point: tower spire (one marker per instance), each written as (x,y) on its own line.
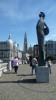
(25,43)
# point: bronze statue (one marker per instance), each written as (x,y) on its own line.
(42,30)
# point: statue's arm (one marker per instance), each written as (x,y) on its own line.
(45,24)
(47,28)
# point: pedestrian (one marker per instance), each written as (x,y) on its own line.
(49,65)
(15,64)
(12,64)
(30,60)
(34,63)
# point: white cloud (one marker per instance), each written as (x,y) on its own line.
(51,9)
(19,10)
(12,11)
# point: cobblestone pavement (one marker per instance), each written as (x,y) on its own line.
(23,86)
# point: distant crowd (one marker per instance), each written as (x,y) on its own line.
(32,61)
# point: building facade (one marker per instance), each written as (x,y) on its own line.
(36,51)
(51,48)
(30,50)
(8,50)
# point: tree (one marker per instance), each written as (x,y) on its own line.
(50,58)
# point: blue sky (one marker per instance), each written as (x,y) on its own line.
(20,16)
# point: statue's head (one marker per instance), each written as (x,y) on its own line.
(42,15)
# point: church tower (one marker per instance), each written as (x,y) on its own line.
(25,43)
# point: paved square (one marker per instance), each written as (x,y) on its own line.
(23,86)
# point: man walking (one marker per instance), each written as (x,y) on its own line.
(34,63)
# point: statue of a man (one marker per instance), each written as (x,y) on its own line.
(42,30)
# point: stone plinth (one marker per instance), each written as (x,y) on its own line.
(42,74)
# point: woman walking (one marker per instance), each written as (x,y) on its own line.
(15,64)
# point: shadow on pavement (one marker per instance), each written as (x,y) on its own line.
(21,81)
(24,75)
(27,81)
(8,81)
(8,72)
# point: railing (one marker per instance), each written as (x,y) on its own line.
(3,68)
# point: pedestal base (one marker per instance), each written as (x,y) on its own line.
(42,74)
